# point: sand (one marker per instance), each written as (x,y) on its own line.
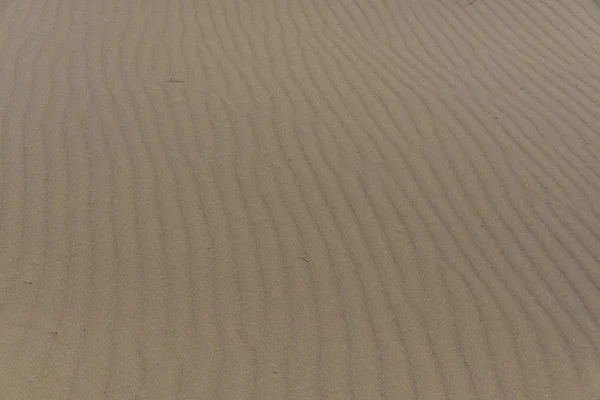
(299,199)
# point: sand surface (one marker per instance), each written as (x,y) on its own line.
(299,199)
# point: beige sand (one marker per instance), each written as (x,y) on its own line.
(299,199)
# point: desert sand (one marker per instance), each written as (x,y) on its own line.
(299,199)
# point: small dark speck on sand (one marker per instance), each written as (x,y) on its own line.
(302,258)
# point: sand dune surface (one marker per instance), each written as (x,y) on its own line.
(299,199)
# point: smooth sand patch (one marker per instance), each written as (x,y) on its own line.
(287,199)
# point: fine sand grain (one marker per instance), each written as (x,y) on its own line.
(299,199)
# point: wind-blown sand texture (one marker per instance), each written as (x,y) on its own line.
(299,199)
